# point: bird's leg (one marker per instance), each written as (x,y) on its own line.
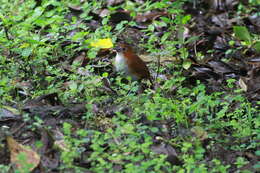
(141,88)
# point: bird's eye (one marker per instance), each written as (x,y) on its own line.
(123,49)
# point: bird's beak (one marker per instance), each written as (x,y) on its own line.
(116,49)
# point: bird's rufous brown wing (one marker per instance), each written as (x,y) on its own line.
(138,67)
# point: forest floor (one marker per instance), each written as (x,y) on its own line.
(64,108)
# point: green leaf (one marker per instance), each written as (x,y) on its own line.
(105,74)
(3,18)
(165,36)
(257,153)
(73,86)
(185,19)
(41,22)
(37,12)
(79,35)
(166,19)
(128,129)
(257,46)
(242,33)
(151,28)
(27,52)
(12,110)
(192,39)
(92,53)
(186,65)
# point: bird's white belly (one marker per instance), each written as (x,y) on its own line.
(120,63)
(122,67)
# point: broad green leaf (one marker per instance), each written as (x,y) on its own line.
(25,45)
(3,18)
(73,86)
(79,35)
(105,74)
(151,28)
(120,26)
(185,19)
(192,39)
(41,22)
(165,36)
(128,129)
(37,12)
(242,33)
(27,52)
(257,46)
(166,19)
(92,53)
(186,65)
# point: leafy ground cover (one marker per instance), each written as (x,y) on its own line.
(61,97)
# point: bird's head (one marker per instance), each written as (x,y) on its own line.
(123,48)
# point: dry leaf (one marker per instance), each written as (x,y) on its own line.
(61,145)
(59,141)
(200,133)
(17,150)
(242,84)
(153,58)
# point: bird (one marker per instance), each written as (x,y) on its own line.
(130,64)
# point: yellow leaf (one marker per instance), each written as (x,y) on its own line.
(102,43)
(25,45)
(16,150)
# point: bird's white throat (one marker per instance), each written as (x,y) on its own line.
(120,63)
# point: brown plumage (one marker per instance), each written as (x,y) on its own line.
(129,63)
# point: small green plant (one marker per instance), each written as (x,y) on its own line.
(24,165)
(5,168)
(247,39)
(241,162)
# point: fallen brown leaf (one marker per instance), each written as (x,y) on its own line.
(32,158)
